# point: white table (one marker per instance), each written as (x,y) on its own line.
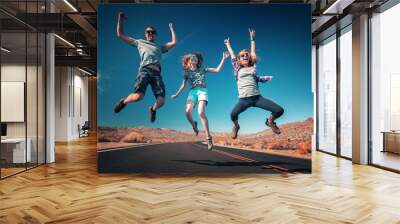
(20,155)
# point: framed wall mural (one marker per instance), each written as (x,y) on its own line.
(204,88)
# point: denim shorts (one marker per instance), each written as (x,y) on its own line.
(150,75)
(196,95)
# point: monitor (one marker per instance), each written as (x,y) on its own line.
(3,129)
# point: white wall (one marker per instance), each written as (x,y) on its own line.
(12,73)
(16,73)
(71,93)
(33,127)
(80,110)
(61,103)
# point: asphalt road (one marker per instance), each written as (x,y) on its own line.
(194,158)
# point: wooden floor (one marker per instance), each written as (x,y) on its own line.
(71,191)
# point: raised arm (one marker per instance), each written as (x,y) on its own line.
(229,47)
(172,43)
(180,89)
(225,55)
(120,32)
(253,54)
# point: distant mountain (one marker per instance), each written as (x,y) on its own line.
(142,134)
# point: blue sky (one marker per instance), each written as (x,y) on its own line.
(283,39)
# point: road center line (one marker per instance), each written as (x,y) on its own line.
(246,159)
(275,168)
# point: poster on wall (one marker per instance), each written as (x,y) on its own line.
(204,88)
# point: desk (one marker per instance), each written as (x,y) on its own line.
(391,141)
(17,148)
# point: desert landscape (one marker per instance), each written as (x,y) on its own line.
(294,141)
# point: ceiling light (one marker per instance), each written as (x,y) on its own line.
(337,7)
(328,10)
(70,5)
(5,50)
(64,40)
(84,71)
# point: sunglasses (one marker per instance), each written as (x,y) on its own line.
(193,58)
(150,32)
(243,55)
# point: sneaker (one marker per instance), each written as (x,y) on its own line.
(119,106)
(195,129)
(273,126)
(209,143)
(152,114)
(235,131)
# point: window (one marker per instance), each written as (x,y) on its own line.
(327,95)
(385,88)
(346,92)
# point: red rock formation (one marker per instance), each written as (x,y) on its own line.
(304,148)
(134,137)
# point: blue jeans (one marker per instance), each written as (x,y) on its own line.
(256,101)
